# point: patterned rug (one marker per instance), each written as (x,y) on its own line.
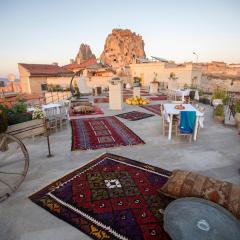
(153,108)
(101,100)
(134,115)
(158,98)
(97,110)
(111,197)
(102,132)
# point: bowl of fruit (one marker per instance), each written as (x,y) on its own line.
(137,101)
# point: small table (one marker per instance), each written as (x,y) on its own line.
(170,110)
(196,218)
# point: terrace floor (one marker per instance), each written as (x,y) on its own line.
(216,154)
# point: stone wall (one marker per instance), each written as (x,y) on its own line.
(209,83)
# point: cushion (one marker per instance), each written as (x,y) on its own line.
(190,184)
(75,104)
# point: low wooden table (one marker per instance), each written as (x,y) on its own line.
(196,218)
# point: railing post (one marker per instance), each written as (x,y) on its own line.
(52,95)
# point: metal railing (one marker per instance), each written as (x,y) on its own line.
(45,98)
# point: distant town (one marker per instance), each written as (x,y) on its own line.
(124,56)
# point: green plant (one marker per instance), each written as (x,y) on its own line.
(37,113)
(172,75)
(15,118)
(201,92)
(76,89)
(219,111)
(137,80)
(55,88)
(3,121)
(237,107)
(5,109)
(220,94)
(19,107)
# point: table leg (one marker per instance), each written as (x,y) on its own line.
(196,129)
(170,127)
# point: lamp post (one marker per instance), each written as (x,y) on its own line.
(196,56)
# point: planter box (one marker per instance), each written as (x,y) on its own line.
(28,129)
(16,118)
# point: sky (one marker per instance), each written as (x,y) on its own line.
(47,31)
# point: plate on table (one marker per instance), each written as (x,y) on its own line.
(179,107)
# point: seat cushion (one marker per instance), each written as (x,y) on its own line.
(190,184)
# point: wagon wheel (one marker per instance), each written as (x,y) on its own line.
(14,163)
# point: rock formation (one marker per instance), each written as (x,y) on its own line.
(122,47)
(84,53)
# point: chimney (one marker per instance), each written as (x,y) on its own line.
(55,63)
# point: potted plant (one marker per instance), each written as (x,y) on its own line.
(237,114)
(18,113)
(136,82)
(219,97)
(3,121)
(219,113)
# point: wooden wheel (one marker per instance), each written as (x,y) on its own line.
(14,163)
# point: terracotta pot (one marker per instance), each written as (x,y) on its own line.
(219,119)
(237,120)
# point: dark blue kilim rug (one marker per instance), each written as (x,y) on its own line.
(111,197)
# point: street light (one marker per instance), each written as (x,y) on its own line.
(196,56)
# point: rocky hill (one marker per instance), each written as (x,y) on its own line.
(122,47)
(84,53)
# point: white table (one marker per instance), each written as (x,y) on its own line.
(170,110)
(47,106)
(181,93)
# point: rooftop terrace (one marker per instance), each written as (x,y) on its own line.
(215,153)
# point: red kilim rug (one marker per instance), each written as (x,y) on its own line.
(153,108)
(158,98)
(102,132)
(111,197)
(134,115)
(101,100)
(97,110)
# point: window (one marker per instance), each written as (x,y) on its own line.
(44,87)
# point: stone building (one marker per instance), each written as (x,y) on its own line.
(168,74)
(95,72)
(34,78)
